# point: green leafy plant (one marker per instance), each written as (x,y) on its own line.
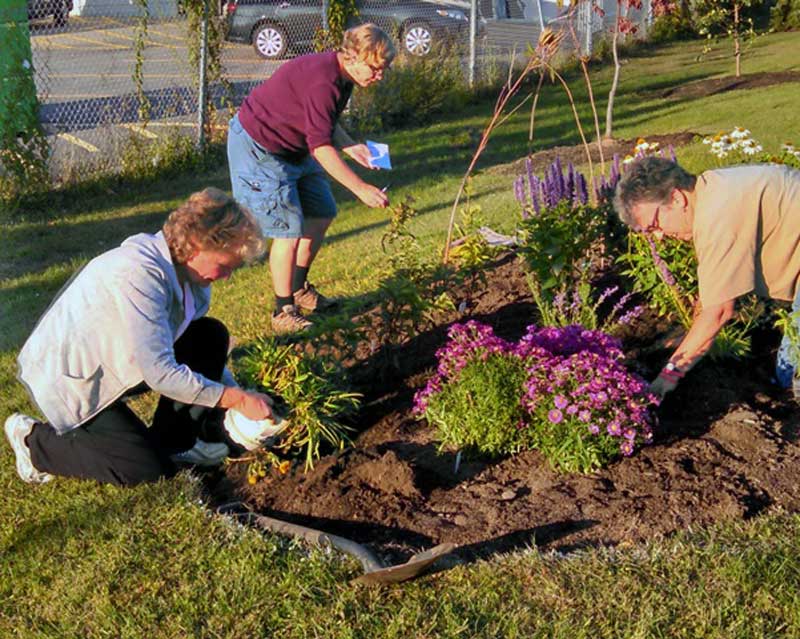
(340,12)
(480,411)
(309,389)
(666,272)
(471,252)
(785,15)
(412,289)
(557,243)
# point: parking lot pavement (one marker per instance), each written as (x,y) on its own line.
(90,101)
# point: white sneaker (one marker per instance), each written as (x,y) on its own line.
(18,427)
(202,454)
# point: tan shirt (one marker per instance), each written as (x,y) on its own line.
(746,232)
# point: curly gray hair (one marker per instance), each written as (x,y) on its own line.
(649,179)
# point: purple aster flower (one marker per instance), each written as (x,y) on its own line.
(555,416)
(572,409)
(584,415)
(560,401)
(626,447)
(614,428)
(594,429)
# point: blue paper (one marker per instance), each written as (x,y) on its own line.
(379,155)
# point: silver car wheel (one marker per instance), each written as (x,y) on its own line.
(270,42)
(418,40)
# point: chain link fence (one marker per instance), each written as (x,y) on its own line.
(108,71)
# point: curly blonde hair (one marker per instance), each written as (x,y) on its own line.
(368,43)
(212,220)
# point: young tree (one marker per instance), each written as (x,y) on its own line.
(624,27)
(728,18)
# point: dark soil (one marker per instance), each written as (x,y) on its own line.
(713,86)
(726,449)
(577,153)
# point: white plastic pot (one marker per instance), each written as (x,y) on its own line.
(252,433)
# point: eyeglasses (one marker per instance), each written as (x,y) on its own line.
(654,223)
(377,70)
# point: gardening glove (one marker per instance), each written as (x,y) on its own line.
(666,381)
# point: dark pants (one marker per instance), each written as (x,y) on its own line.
(115,446)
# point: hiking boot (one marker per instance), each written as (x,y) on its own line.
(289,320)
(202,454)
(310,299)
(18,427)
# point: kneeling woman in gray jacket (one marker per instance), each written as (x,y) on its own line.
(132,319)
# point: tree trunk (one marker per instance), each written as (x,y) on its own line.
(736,46)
(613,91)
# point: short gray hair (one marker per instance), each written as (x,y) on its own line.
(649,179)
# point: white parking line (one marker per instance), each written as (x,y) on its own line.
(137,128)
(77,142)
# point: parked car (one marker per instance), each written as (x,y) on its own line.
(43,9)
(277,27)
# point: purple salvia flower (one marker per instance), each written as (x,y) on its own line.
(570,183)
(519,191)
(660,263)
(581,190)
(606,294)
(533,181)
(631,315)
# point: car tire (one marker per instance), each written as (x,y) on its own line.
(417,39)
(270,41)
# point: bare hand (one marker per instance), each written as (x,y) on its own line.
(372,196)
(360,153)
(250,404)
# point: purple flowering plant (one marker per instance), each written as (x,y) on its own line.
(561,390)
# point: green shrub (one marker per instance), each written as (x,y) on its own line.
(480,411)
(785,15)
(557,245)
(671,27)
(414,91)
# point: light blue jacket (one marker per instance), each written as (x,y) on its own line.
(111,327)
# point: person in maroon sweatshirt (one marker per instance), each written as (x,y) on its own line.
(281,143)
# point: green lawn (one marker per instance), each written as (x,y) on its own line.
(81,560)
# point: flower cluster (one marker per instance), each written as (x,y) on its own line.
(737,141)
(576,380)
(644,148)
(552,188)
(789,149)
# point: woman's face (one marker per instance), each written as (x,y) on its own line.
(210,265)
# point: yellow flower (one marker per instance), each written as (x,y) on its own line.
(284,466)
(641,141)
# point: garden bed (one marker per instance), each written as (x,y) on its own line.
(725,448)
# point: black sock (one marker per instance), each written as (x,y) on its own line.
(280,302)
(299,277)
